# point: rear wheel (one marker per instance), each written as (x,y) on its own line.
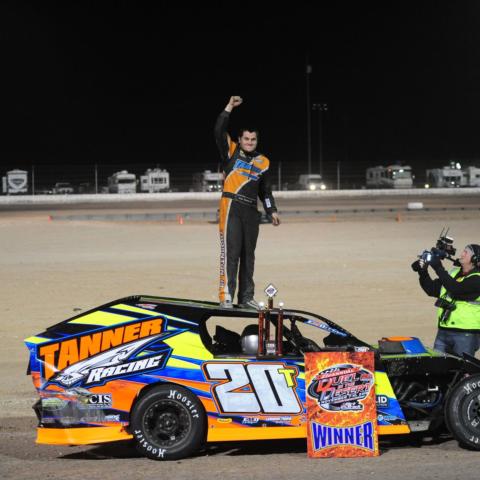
(462,411)
(168,423)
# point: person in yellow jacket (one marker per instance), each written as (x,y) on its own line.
(458,301)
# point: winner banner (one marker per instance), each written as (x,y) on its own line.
(341,408)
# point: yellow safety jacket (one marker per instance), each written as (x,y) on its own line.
(466,314)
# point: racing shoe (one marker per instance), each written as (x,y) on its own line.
(226,304)
(252,304)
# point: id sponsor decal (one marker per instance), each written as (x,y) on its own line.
(382,401)
(341,404)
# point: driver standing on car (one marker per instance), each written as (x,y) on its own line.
(458,299)
(246,178)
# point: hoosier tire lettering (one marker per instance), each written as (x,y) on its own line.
(168,423)
(462,411)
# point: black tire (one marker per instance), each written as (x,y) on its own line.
(462,412)
(168,423)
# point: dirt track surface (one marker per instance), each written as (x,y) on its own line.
(355,271)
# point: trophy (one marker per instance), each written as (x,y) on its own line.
(268,346)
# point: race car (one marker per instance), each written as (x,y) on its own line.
(173,374)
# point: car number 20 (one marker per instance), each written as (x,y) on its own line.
(254,387)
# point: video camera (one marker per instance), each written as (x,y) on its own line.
(443,249)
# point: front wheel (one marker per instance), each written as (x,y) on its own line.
(462,411)
(168,423)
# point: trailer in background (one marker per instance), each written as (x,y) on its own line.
(471,177)
(122,182)
(391,176)
(207,181)
(155,180)
(449,176)
(15,182)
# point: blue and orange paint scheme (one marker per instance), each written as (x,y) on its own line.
(90,370)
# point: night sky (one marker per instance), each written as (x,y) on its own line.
(132,84)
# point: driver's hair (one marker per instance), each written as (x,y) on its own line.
(250,129)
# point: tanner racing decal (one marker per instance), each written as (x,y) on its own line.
(56,356)
(268,388)
(111,364)
(342,387)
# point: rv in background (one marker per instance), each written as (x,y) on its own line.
(155,180)
(207,181)
(450,176)
(15,182)
(453,176)
(392,176)
(471,177)
(122,182)
(312,182)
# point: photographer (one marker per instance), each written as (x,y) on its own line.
(458,299)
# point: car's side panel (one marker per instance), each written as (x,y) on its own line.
(90,370)
(390,417)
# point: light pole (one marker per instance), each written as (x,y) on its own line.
(320,107)
(308,71)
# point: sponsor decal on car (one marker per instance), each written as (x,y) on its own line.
(382,401)
(110,364)
(59,355)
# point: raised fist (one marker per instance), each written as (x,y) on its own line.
(235,101)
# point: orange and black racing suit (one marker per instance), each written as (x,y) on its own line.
(246,178)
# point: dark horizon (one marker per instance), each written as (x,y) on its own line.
(122,84)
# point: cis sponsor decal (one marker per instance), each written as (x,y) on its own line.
(341,404)
(100,399)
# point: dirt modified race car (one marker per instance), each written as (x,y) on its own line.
(173,374)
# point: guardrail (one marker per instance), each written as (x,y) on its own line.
(211,196)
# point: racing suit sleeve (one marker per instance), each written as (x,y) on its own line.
(468,289)
(222,138)
(430,287)
(265,193)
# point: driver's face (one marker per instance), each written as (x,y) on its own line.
(248,141)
